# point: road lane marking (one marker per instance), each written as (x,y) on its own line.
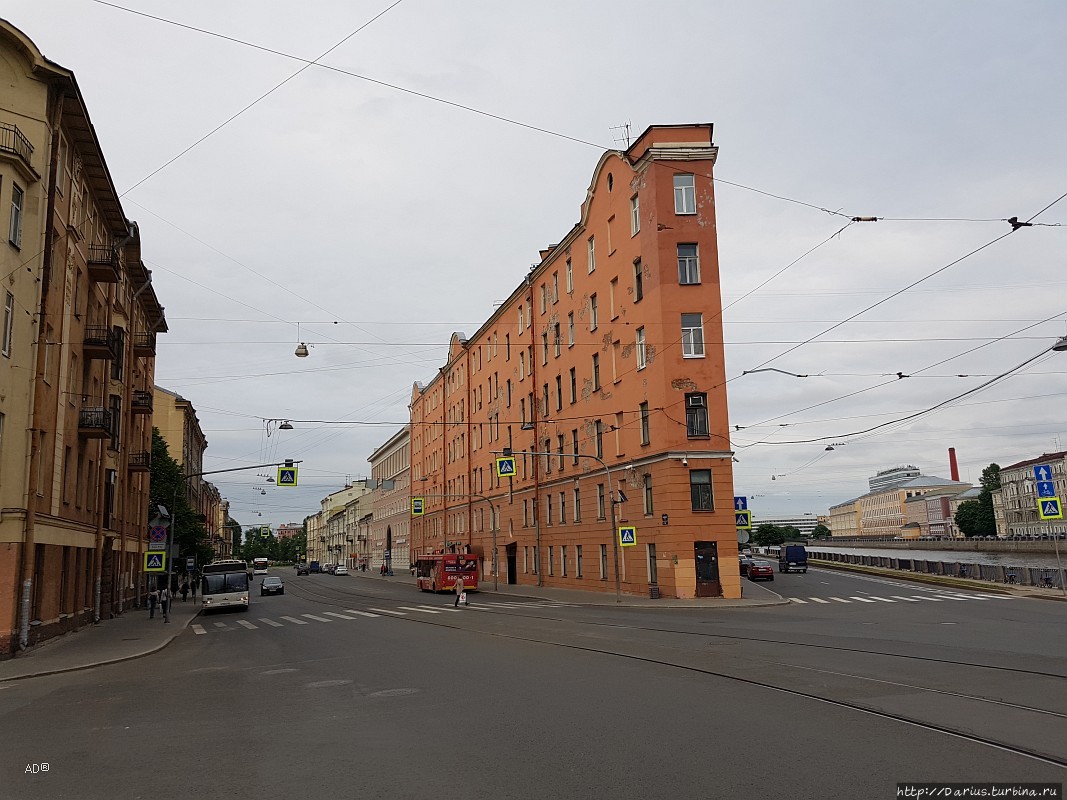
(925,597)
(971,597)
(953,597)
(221,625)
(423,610)
(339,616)
(361,613)
(862,599)
(387,611)
(317,619)
(246,624)
(905,599)
(272,623)
(796,600)
(819,600)
(838,599)
(453,609)
(198,629)
(294,620)
(884,600)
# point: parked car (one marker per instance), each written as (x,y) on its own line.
(271,584)
(760,571)
(340,569)
(745,562)
(303,569)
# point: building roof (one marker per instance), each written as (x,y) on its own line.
(928,480)
(1041,459)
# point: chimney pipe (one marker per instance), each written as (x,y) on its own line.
(954,470)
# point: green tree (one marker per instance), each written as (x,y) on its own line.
(976,517)
(167,488)
(792,533)
(768,534)
(821,532)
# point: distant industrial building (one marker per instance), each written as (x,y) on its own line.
(805,524)
(883,511)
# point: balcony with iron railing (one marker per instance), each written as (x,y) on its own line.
(103,263)
(140,462)
(95,423)
(141,402)
(16,147)
(99,342)
(144,344)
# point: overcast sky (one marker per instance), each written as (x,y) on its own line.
(381,221)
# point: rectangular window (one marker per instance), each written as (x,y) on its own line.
(548,516)
(526,559)
(570,329)
(507,347)
(522,365)
(507,385)
(596,372)
(559,393)
(696,415)
(603,562)
(641,362)
(577,561)
(599,439)
(574,386)
(563,560)
(116,421)
(700,490)
(551,561)
(570,277)
(600,507)
(653,575)
(592,254)
(544,298)
(560,440)
(119,338)
(9,323)
(645,432)
(536,560)
(635,216)
(544,347)
(521,325)
(592,312)
(544,400)
(688,264)
(574,445)
(692,336)
(685,195)
(522,408)
(616,358)
(555,288)
(558,335)
(525,514)
(639,281)
(577,504)
(562,508)
(14,231)
(612,287)
(647,486)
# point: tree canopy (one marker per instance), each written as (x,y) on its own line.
(976,517)
(167,488)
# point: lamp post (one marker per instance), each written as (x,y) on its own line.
(611,501)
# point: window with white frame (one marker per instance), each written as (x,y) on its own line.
(641,362)
(596,372)
(685,195)
(577,561)
(647,491)
(646,436)
(9,323)
(592,253)
(639,281)
(603,562)
(570,329)
(692,336)
(14,233)
(555,288)
(563,560)
(577,505)
(635,216)
(592,312)
(696,415)
(688,264)
(544,298)
(570,277)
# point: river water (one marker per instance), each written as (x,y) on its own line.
(1038,560)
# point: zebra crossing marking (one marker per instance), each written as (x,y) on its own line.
(452,610)
(387,611)
(220,625)
(294,620)
(361,613)
(861,599)
(883,599)
(840,600)
(797,600)
(271,622)
(819,600)
(246,624)
(317,619)
(199,629)
(905,599)
(423,610)
(335,614)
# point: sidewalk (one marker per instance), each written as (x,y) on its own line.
(590,598)
(130,635)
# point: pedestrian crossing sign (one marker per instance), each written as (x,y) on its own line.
(505,467)
(418,506)
(155,561)
(1050,508)
(287,476)
(743,519)
(628,536)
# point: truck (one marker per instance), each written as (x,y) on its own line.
(313,566)
(793,557)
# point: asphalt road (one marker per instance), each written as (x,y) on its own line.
(347,687)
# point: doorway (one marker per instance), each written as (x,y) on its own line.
(512,554)
(707,567)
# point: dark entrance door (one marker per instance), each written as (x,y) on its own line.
(512,552)
(707,566)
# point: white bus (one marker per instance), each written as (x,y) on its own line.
(259,566)
(224,585)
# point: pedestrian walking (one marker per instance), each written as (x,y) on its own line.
(192,585)
(185,590)
(164,603)
(461,594)
(153,598)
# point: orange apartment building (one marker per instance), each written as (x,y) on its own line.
(611,348)
(77,363)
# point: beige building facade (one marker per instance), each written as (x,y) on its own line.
(1015,502)
(389,530)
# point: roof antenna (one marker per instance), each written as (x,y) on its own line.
(625,137)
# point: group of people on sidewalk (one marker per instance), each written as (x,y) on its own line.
(161,598)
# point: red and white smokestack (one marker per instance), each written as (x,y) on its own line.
(953,468)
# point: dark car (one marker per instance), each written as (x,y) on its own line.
(272,584)
(760,571)
(745,562)
(303,569)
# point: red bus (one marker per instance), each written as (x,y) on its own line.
(437,572)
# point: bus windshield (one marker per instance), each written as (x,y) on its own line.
(225,582)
